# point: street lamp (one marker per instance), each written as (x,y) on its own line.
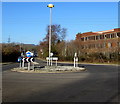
(50,6)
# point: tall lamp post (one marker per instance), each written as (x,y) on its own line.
(50,32)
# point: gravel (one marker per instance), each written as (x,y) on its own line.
(50,69)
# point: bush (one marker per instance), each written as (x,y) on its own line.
(10,52)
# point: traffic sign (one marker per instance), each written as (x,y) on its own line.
(19,59)
(28,54)
(32,60)
(51,54)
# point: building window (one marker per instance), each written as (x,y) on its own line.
(101,36)
(118,34)
(92,37)
(93,45)
(85,47)
(104,45)
(86,38)
(82,39)
(97,45)
(118,44)
(107,35)
(97,37)
(113,35)
(82,46)
(109,45)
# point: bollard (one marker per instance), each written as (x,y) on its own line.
(32,61)
(51,61)
(20,64)
(23,61)
(75,60)
(33,66)
(56,62)
(28,65)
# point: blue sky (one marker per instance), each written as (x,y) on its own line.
(26,22)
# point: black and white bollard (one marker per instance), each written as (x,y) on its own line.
(75,60)
(23,62)
(30,60)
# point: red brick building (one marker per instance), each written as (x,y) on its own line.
(101,41)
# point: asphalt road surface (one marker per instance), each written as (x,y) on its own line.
(99,83)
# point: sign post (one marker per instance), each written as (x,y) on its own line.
(20,60)
(51,54)
(29,60)
(28,55)
(52,59)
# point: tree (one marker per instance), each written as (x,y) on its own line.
(58,36)
(58,33)
(10,52)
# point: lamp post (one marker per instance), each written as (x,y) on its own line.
(50,32)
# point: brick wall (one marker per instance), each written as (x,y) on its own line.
(102,41)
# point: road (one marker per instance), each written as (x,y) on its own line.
(98,84)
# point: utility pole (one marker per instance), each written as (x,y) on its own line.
(9,39)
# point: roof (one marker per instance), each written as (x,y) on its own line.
(97,33)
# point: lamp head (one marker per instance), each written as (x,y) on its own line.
(50,5)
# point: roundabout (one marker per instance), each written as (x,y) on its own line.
(50,69)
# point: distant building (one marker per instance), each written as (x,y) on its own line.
(101,41)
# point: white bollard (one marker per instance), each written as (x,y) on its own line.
(31,60)
(23,61)
(56,62)
(74,62)
(20,64)
(51,61)
(33,66)
(28,65)
(47,62)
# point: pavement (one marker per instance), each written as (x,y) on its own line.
(98,84)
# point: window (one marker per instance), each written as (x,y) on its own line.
(107,35)
(97,45)
(82,46)
(82,39)
(118,34)
(89,46)
(92,37)
(93,45)
(118,44)
(101,36)
(104,45)
(113,35)
(97,37)
(86,38)
(109,45)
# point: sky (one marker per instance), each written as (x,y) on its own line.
(26,22)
